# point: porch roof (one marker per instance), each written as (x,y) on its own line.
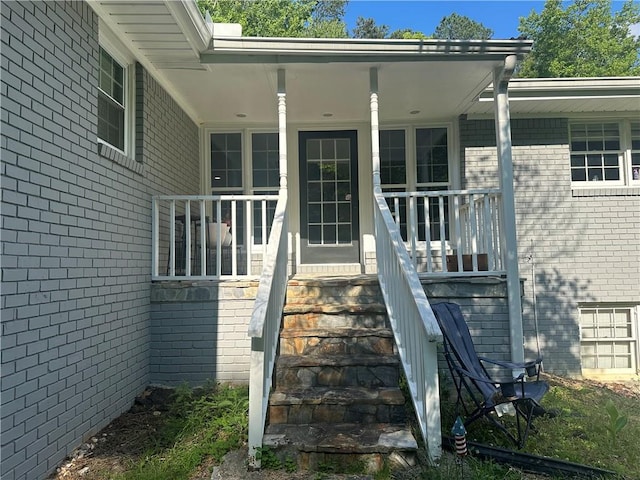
(562,96)
(233,80)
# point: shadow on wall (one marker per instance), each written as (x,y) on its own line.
(552,326)
(548,232)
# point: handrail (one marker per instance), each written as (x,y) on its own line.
(414,325)
(264,326)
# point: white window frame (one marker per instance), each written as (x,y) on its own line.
(411,161)
(110,43)
(633,340)
(247,188)
(624,155)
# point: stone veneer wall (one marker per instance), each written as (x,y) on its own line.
(76,235)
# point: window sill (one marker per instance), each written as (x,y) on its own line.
(606,192)
(110,153)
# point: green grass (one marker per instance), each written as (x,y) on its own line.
(206,423)
(581,432)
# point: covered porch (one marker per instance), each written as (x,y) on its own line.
(337,156)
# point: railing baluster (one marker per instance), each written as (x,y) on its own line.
(172,238)
(456,218)
(474,232)
(249,236)
(413,227)
(427,234)
(203,239)
(443,233)
(486,223)
(187,242)
(234,253)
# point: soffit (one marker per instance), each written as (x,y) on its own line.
(565,96)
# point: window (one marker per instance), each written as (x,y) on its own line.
(605,153)
(112,94)
(423,166)
(228,160)
(609,339)
(635,152)
(265,158)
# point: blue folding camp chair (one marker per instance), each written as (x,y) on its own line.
(478,394)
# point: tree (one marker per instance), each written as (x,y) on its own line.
(280,18)
(583,40)
(459,27)
(407,34)
(367,28)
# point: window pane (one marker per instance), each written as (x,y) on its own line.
(226,160)
(392,157)
(111,104)
(110,121)
(432,155)
(602,140)
(265,156)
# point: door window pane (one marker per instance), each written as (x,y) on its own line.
(328,191)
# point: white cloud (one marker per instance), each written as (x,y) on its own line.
(634,30)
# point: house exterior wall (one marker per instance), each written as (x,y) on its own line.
(76,235)
(583,244)
(199,332)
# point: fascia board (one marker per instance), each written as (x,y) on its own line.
(299,50)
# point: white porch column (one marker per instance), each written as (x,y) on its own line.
(282,128)
(375,126)
(501,77)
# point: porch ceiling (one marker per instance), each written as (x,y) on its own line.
(332,93)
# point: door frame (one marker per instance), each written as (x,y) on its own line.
(329,254)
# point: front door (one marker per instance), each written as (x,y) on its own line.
(329,226)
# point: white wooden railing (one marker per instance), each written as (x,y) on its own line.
(414,326)
(451,230)
(223,245)
(264,327)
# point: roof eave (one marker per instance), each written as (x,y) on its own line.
(315,50)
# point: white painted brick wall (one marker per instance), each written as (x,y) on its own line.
(76,228)
(585,248)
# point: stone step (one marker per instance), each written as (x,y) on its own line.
(338,405)
(319,306)
(323,320)
(337,341)
(370,371)
(363,289)
(341,437)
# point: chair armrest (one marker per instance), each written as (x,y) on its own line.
(531,366)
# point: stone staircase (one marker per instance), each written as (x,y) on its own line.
(336,397)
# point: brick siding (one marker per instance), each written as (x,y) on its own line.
(199,332)
(584,247)
(76,235)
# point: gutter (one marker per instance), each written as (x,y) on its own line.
(230,49)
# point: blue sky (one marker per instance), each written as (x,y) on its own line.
(502,16)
